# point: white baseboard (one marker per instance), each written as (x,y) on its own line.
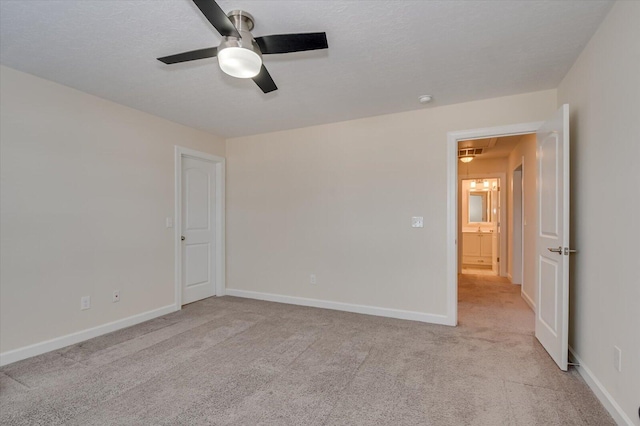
(529,301)
(601,393)
(347,307)
(70,339)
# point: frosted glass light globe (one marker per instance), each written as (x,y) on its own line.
(239,62)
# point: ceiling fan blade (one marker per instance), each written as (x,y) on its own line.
(217,17)
(264,81)
(285,43)
(209,52)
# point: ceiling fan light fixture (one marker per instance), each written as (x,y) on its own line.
(240,54)
(239,62)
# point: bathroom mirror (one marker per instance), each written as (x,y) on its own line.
(479,206)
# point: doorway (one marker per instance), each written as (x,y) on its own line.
(481,236)
(199,230)
(453,194)
(548,226)
(517,228)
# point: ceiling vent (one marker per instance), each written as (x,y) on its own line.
(466,152)
(467,155)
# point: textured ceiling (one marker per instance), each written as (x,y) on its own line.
(382,55)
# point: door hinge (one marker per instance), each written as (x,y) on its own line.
(498,259)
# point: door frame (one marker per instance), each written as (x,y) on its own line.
(452,200)
(502,242)
(520,228)
(219,162)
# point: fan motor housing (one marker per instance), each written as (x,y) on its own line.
(243,21)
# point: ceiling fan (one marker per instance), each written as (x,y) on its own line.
(240,54)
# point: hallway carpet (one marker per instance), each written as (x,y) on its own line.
(231,361)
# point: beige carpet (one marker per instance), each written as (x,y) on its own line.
(478,271)
(224,361)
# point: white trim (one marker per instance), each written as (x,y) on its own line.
(452,228)
(452,200)
(80,336)
(512,228)
(528,299)
(220,165)
(600,391)
(339,306)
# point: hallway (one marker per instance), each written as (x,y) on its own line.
(493,302)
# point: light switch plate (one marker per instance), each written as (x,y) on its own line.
(85,302)
(617,359)
(169,222)
(417,222)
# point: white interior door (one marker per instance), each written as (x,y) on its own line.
(552,260)
(198,229)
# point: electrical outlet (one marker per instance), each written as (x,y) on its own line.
(417,222)
(313,279)
(85,302)
(617,358)
(116,296)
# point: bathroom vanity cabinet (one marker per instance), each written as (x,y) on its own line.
(477,248)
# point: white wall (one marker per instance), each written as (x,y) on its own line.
(336,200)
(515,226)
(86,185)
(603,90)
(478,167)
(525,150)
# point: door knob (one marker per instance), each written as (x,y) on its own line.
(555,250)
(183,238)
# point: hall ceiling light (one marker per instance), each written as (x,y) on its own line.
(466,155)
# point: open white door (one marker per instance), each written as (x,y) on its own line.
(552,260)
